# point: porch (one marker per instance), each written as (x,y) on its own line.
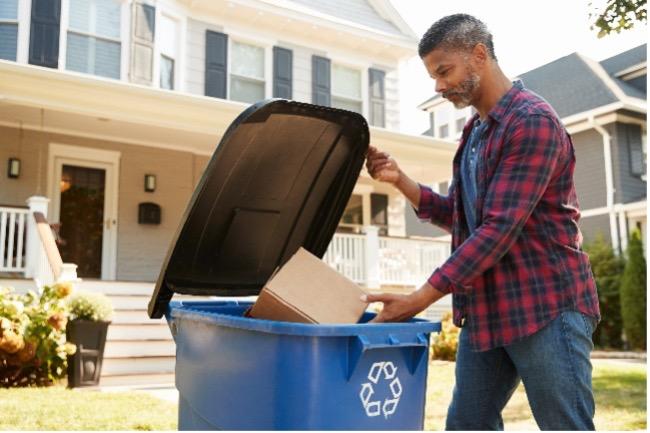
(140,350)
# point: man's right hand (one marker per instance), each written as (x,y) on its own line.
(382,167)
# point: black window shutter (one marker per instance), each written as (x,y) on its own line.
(216,64)
(377,94)
(282,73)
(320,81)
(44,33)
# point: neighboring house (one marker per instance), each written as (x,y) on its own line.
(603,106)
(96,94)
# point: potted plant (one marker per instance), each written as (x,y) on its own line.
(90,315)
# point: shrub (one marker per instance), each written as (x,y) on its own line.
(633,294)
(445,344)
(608,270)
(90,306)
(33,349)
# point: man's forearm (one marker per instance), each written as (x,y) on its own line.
(409,188)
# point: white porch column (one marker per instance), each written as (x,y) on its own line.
(34,254)
(372,257)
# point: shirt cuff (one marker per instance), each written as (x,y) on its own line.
(440,282)
(426,203)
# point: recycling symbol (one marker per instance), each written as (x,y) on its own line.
(387,373)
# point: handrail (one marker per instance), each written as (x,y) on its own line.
(49,244)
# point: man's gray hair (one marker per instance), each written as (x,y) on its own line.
(459,32)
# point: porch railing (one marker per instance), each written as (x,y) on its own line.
(27,244)
(374,261)
(13,221)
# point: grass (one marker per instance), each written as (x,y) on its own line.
(620,391)
(58,408)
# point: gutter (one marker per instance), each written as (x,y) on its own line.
(609,181)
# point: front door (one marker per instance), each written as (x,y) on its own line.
(83,185)
(81,218)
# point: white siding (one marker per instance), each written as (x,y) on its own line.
(301,70)
(392,99)
(195,70)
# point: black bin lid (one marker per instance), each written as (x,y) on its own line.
(279,179)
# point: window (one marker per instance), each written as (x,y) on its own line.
(346,88)
(379,212)
(443,119)
(8,29)
(94,43)
(460,123)
(644,150)
(167,52)
(352,219)
(247,73)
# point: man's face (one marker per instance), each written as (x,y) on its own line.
(455,75)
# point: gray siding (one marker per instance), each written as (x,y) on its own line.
(589,175)
(591,227)
(195,64)
(626,140)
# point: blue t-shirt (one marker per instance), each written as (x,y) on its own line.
(468,165)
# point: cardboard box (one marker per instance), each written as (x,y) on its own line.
(307,290)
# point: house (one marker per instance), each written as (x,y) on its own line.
(603,106)
(108,107)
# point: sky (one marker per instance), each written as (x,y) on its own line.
(526,33)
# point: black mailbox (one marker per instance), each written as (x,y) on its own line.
(148,213)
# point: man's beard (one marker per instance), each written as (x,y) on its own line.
(464,92)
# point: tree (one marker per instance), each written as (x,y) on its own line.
(633,294)
(608,270)
(618,15)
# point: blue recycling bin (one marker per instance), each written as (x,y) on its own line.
(280,180)
(240,373)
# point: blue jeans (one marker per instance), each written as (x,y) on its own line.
(554,365)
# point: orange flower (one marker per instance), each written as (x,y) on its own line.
(57,321)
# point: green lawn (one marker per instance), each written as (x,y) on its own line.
(620,391)
(58,408)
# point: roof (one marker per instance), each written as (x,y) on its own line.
(376,14)
(573,84)
(625,60)
(570,85)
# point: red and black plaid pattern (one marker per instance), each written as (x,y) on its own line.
(523,265)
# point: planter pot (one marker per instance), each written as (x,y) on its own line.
(85,366)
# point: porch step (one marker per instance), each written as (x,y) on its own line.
(138,332)
(130,380)
(138,365)
(139,348)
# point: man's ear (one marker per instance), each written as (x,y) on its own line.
(480,54)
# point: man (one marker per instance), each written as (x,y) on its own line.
(522,288)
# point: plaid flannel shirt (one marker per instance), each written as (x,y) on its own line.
(523,265)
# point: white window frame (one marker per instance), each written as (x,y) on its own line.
(644,150)
(267,47)
(363,82)
(64,28)
(444,108)
(17,22)
(179,64)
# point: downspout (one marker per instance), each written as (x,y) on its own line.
(609,181)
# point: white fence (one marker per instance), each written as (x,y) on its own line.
(373,261)
(13,223)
